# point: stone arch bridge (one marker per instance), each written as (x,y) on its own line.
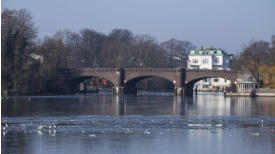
(124,80)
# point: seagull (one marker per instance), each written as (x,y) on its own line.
(40,127)
(146,132)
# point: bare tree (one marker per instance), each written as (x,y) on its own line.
(253,57)
(178,49)
(17,41)
(272,51)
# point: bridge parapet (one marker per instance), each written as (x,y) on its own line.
(194,75)
(210,71)
(151,69)
(96,69)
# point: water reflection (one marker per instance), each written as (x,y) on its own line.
(243,106)
(178,105)
(210,104)
(203,104)
(215,104)
(101,105)
(106,123)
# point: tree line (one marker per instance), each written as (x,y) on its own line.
(32,66)
(258,57)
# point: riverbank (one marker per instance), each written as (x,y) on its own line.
(257,93)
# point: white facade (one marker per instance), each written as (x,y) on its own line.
(200,62)
(212,60)
(212,84)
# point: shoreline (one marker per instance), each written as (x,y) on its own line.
(250,95)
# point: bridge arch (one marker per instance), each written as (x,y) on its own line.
(194,76)
(78,75)
(173,75)
(77,80)
(130,85)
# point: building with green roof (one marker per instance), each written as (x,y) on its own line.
(212,59)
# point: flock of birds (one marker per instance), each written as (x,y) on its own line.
(52,129)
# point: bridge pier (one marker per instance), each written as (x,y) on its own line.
(179,91)
(118,90)
(188,91)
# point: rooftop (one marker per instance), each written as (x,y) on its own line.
(207,52)
(245,82)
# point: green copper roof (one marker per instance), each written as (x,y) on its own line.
(207,52)
(245,82)
(192,52)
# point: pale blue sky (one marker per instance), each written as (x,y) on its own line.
(227,24)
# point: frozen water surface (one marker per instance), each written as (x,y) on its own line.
(148,123)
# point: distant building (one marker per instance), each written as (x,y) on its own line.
(37,57)
(178,60)
(212,59)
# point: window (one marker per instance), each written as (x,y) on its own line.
(194,67)
(205,61)
(225,80)
(195,60)
(216,60)
(216,80)
(204,80)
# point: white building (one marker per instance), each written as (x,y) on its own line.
(37,57)
(212,59)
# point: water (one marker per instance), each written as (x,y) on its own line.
(149,123)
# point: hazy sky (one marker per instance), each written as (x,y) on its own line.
(227,24)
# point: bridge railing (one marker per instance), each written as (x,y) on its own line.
(96,69)
(151,69)
(147,70)
(210,71)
